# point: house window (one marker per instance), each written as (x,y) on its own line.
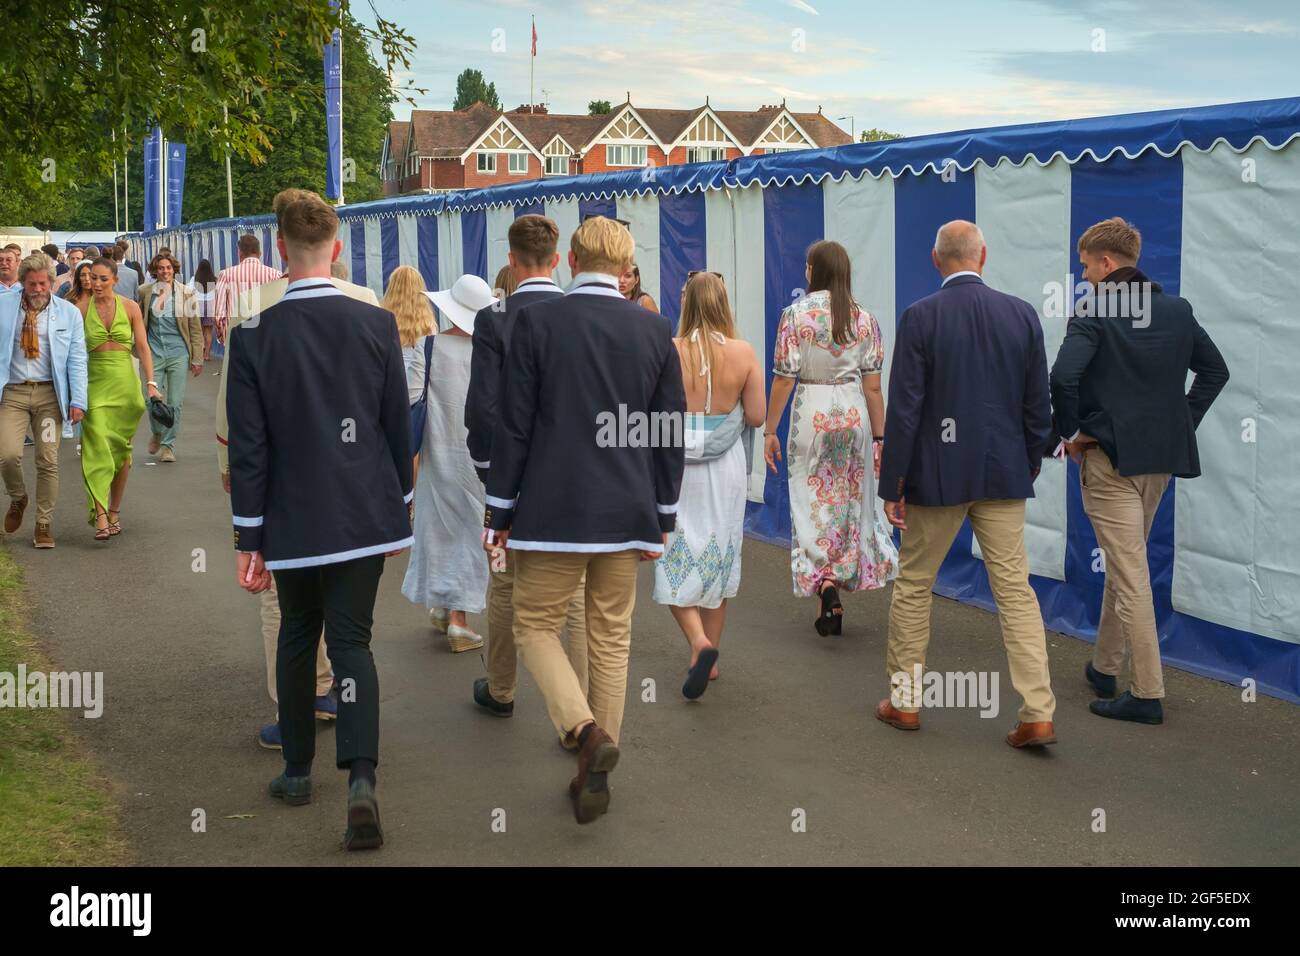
(769,150)
(624,155)
(705,154)
(518,164)
(487,162)
(557,165)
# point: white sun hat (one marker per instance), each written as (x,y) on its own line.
(462,301)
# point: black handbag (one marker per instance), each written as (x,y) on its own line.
(161,414)
(420,410)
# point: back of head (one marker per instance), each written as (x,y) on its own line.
(411,308)
(118,253)
(705,311)
(602,245)
(1113,237)
(309,227)
(533,240)
(249,246)
(92,252)
(283,198)
(959,246)
(51,250)
(505,283)
(830,270)
(204,275)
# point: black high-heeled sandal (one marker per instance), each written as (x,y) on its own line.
(829,623)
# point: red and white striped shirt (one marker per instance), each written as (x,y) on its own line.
(233,285)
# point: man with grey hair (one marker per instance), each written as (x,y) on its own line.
(969,421)
(44,379)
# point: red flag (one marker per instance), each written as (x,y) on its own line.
(534,39)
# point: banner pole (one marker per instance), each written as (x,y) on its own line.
(230,191)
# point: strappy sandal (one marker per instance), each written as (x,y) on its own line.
(114,527)
(831,620)
(102,534)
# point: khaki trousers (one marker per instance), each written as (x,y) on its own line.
(271,641)
(502,659)
(999,527)
(544,586)
(31,405)
(1121,510)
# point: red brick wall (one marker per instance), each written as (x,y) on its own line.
(594,161)
(443,174)
(474,179)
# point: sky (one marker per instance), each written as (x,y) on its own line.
(906,67)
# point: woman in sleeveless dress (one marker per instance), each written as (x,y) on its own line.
(114,327)
(832,349)
(700,568)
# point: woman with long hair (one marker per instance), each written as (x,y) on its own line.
(114,328)
(700,569)
(204,283)
(629,283)
(505,283)
(832,349)
(407,298)
(78,290)
(175,336)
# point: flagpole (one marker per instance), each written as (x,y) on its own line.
(230,192)
(116,218)
(162,180)
(126,180)
(531,59)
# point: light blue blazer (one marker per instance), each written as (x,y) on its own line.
(67,332)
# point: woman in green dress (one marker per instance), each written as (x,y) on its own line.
(114,327)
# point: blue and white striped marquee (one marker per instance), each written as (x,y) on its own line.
(1215,192)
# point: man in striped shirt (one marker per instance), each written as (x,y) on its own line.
(234,284)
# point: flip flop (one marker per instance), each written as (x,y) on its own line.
(697,680)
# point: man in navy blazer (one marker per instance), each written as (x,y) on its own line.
(968,422)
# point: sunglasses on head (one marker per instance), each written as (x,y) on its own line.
(595,215)
(703,272)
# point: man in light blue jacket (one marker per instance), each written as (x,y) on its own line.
(43,368)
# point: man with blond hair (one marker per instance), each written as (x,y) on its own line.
(316,432)
(969,421)
(1119,389)
(566,503)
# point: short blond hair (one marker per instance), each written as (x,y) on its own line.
(602,245)
(1113,237)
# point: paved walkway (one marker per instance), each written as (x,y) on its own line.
(788,727)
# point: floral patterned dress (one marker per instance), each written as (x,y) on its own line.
(837,531)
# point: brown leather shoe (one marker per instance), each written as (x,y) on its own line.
(43,538)
(14,516)
(886,711)
(155,442)
(589,790)
(1035,734)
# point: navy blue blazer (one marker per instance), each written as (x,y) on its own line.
(580,458)
(969,417)
(320,430)
(492,328)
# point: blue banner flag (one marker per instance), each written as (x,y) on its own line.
(334,116)
(175,182)
(152,172)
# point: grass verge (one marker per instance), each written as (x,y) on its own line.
(56,809)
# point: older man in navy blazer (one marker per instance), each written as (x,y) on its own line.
(969,421)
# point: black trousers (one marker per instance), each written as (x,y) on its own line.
(342,598)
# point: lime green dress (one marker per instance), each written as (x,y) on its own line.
(115,404)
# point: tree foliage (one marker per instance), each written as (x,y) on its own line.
(876,135)
(471,87)
(598,108)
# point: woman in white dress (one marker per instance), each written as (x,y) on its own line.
(448,571)
(833,349)
(700,568)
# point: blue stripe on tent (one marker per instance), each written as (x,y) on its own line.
(268,253)
(682,247)
(234,247)
(426,237)
(534,208)
(473,236)
(388,246)
(358,252)
(603,206)
(793,219)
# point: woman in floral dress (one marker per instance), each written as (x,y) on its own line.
(829,354)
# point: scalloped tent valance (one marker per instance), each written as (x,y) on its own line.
(1237,125)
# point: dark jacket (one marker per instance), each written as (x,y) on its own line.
(968,417)
(565,476)
(320,430)
(1122,379)
(492,328)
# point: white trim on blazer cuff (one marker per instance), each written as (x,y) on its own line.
(340,556)
(666,509)
(242,522)
(501,502)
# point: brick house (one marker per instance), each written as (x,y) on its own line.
(479,146)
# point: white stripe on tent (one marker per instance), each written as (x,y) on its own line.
(345,253)
(375,277)
(499,219)
(1234,561)
(408,241)
(451,256)
(1024,213)
(734,247)
(642,214)
(859,214)
(565,214)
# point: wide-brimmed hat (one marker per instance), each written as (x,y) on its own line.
(462,301)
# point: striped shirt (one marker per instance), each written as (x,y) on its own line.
(233,285)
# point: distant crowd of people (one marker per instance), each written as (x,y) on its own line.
(349,430)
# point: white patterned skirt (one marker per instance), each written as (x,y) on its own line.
(701,565)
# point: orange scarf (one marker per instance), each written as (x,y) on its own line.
(31,342)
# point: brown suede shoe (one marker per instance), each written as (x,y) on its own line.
(589,790)
(43,538)
(1035,734)
(155,441)
(886,711)
(14,516)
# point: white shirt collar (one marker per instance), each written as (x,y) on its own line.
(308,282)
(964,272)
(537,282)
(585,278)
